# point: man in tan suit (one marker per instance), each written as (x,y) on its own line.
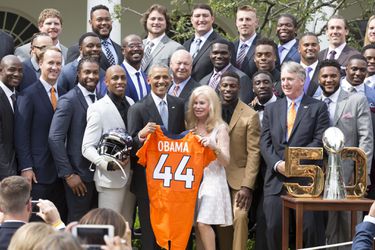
(244,132)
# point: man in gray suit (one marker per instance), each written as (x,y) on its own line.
(351,114)
(158,46)
(220,55)
(108,113)
(50,22)
(65,140)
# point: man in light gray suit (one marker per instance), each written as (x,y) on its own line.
(158,46)
(108,113)
(351,114)
(50,22)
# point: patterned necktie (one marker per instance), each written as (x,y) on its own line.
(291,118)
(140,94)
(147,55)
(198,42)
(14,100)
(175,90)
(307,80)
(92,97)
(163,110)
(332,55)
(108,52)
(53,98)
(214,81)
(241,55)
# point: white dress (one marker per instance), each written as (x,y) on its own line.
(214,203)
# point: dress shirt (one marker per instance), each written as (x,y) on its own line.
(347,86)
(260,113)
(313,66)
(287,46)
(370,81)
(332,106)
(248,42)
(369,218)
(86,94)
(122,106)
(181,86)
(131,70)
(48,87)
(203,38)
(111,48)
(8,93)
(338,50)
(58,45)
(228,110)
(157,100)
(155,41)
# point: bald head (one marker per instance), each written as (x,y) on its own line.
(115,79)
(181,65)
(11,72)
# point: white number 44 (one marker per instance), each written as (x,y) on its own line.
(167,175)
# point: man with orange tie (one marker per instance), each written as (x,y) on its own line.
(296,120)
(35,108)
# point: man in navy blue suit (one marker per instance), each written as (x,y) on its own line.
(65,140)
(132,50)
(365,231)
(36,106)
(286,31)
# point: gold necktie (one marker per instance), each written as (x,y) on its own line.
(291,118)
(53,98)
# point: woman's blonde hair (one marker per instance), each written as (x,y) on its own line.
(367,41)
(214,115)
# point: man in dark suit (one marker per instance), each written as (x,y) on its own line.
(246,23)
(35,108)
(309,49)
(143,117)
(68,126)
(286,31)
(31,70)
(202,19)
(337,30)
(89,45)
(101,24)
(10,77)
(132,49)
(158,46)
(183,84)
(7,44)
(220,55)
(365,232)
(296,120)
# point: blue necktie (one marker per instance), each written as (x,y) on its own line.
(307,80)
(140,95)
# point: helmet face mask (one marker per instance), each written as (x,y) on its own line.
(116,144)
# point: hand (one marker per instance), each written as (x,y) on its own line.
(206,142)
(372,210)
(1,217)
(29,175)
(281,168)
(75,183)
(48,212)
(243,198)
(117,243)
(148,129)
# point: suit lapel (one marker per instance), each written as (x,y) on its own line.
(171,112)
(5,102)
(283,115)
(44,96)
(205,47)
(153,110)
(302,110)
(236,115)
(81,98)
(340,106)
(111,109)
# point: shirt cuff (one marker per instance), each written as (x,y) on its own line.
(275,166)
(25,169)
(369,218)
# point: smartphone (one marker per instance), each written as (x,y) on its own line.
(34,207)
(92,235)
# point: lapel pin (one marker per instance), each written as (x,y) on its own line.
(305,107)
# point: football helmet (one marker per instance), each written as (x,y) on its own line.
(116,144)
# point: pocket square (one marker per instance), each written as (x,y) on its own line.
(347,116)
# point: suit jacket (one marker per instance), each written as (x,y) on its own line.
(186,91)
(293,54)
(244,132)
(68,78)
(314,83)
(162,52)
(8,163)
(7,44)
(30,75)
(353,118)
(346,53)
(101,117)
(131,91)
(246,85)
(23,52)
(364,235)
(7,229)
(248,66)
(139,115)
(202,65)
(73,53)
(311,121)
(66,135)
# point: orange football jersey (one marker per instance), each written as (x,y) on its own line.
(174,169)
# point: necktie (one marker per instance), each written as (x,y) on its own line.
(108,52)
(328,101)
(241,55)
(352,90)
(307,80)
(140,94)
(53,98)
(291,118)
(14,100)
(280,50)
(92,97)
(197,47)
(258,107)
(332,55)
(163,110)
(175,90)
(214,81)
(147,55)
